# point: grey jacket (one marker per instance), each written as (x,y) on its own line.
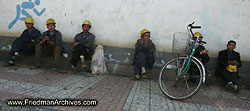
(56,37)
(86,39)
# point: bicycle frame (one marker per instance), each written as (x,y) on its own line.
(187,62)
(186,65)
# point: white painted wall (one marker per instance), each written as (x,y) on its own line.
(119,22)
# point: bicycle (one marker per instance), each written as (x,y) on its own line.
(175,76)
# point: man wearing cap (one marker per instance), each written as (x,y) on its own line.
(228,63)
(51,40)
(83,44)
(144,55)
(26,43)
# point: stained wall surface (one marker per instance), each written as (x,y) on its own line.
(118,22)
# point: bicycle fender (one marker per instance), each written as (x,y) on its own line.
(203,69)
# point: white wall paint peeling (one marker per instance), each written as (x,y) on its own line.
(119,22)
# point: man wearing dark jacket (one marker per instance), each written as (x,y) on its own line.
(83,45)
(228,63)
(51,40)
(26,43)
(144,54)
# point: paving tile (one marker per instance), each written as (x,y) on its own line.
(43,77)
(109,92)
(113,93)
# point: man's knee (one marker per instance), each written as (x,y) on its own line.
(57,53)
(17,40)
(58,49)
(141,55)
(38,46)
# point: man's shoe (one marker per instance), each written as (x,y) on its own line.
(236,89)
(54,69)
(170,67)
(73,67)
(145,76)
(35,66)
(229,86)
(15,56)
(84,65)
(9,63)
(136,77)
(143,70)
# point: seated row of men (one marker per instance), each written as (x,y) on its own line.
(32,41)
(228,60)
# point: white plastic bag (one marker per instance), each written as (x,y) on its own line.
(98,65)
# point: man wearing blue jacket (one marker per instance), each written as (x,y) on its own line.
(26,43)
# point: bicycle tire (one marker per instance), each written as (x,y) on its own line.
(162,78)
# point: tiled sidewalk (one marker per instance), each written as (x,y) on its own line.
(113,93)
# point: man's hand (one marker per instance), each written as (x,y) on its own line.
(50,42)
(46,38)
(43,41)
(86,45)
(75,44)
(141,41)
(87,50)
(204,52)
(33,41)
(233,62)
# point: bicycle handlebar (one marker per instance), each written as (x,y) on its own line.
(193,27)
(203,42)
(191,24)
(190,27)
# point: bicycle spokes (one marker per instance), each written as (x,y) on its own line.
(177,85)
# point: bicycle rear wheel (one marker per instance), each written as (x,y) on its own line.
(176,86)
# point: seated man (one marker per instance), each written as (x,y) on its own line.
(51,40)
(201,54)
(227,65)
(144,54)
(83,45)
(26,43)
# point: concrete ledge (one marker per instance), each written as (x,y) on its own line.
(125,70)
(119,61)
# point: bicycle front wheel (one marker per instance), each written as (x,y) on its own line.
(179,86)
